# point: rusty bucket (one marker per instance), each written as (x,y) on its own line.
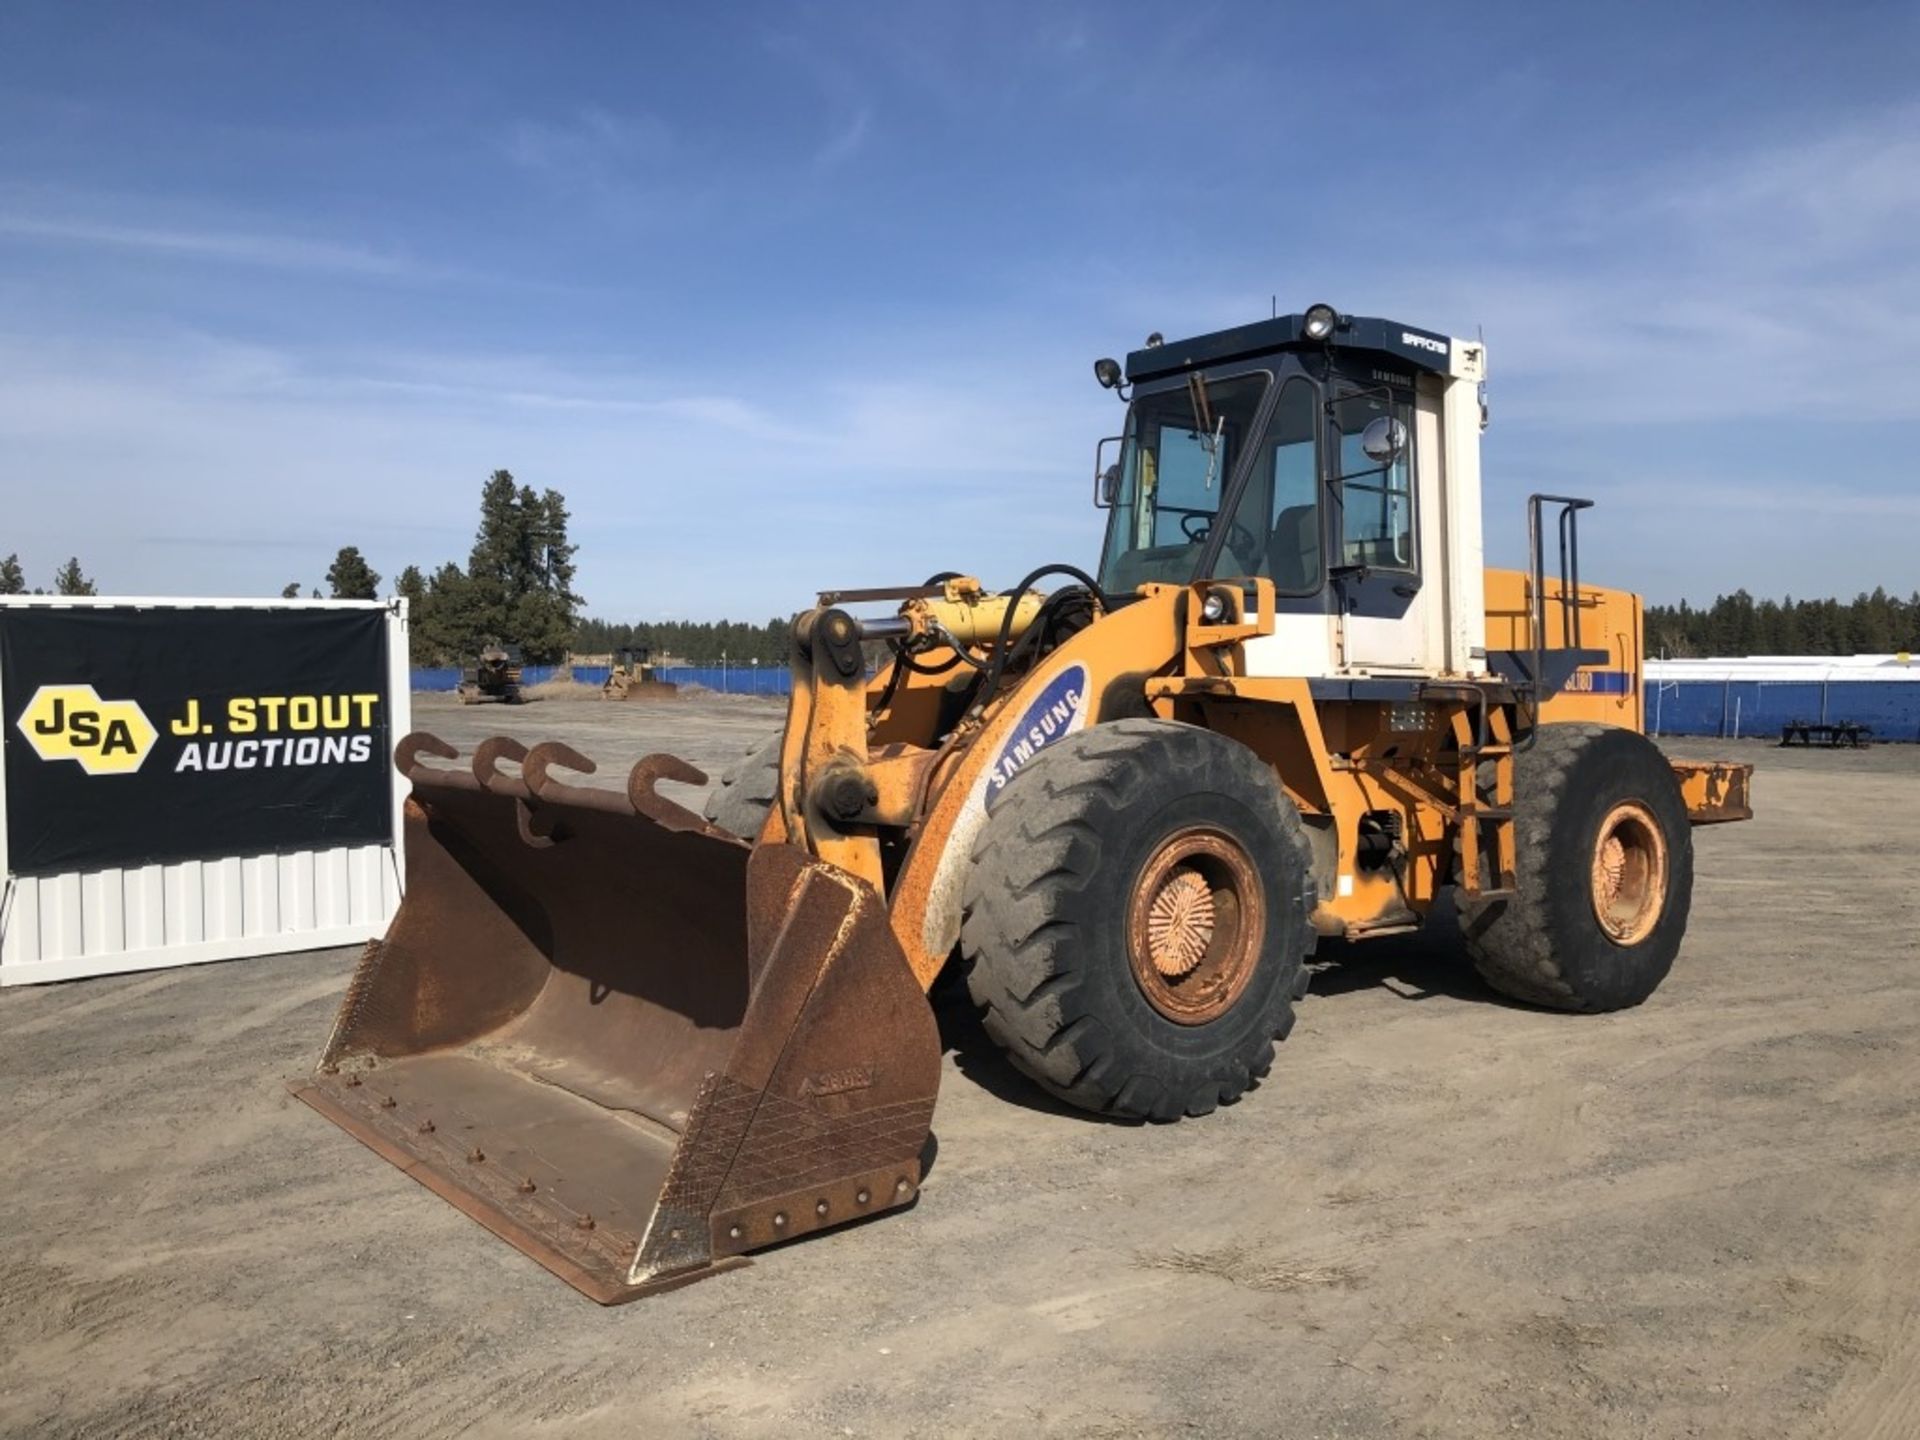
(626,1042)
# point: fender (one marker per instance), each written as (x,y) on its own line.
(1066,692)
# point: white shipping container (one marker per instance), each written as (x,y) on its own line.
(102,922)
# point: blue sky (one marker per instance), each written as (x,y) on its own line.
(793,296)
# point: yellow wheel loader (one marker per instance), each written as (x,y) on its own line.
(1291,702)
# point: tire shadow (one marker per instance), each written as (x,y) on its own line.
(984,1063)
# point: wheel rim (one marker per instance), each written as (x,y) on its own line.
(1629,873)
(1195,925)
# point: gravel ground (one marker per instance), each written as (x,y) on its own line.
(1442,1216)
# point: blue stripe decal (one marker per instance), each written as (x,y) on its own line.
(1599,682)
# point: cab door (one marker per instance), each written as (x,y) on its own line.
(1385,605)
(1278,532)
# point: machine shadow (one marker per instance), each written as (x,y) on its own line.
(1426,964)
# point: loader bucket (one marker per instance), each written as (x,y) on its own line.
(627,1043)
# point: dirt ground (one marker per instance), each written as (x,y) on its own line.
(1443,1215)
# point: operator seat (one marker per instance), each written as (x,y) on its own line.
(1293,549)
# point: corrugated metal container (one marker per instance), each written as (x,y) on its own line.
(1759,695)
(102,922)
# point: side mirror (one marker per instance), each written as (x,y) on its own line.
(1106,477)
(1384,440)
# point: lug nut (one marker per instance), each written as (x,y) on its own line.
(780,1220)
(902,1186)
(863,1197)
(820,1208)
(733,1232)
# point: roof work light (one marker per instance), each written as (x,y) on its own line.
(1319,321)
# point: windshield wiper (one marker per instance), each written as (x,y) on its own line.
(1207,424)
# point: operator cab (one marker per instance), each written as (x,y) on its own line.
(1322,452)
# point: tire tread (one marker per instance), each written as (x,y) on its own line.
(1048,1034)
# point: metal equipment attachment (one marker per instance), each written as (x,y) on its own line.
(621,1039)
(1715,790)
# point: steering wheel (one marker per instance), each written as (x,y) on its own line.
(1244,544)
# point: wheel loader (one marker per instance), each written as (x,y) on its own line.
(1123,804)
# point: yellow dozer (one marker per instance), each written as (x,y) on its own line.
(639,1043)
(632,677)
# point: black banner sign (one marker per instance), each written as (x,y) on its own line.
(141,736)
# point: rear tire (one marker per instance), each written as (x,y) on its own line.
(1135,919)
(747,788)
(1604,872)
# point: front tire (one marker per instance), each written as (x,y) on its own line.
(1604,874)
(1136,919)
(747,790)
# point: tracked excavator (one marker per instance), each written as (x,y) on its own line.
(1291,701)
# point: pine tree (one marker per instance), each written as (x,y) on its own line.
(290,590)
(520,574)
(351,578)
(496,567)
(448,629)
(13,580)
(412,587)
(68,580)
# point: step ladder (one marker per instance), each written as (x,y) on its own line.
(1480,736)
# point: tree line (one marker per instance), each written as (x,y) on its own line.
(1737,624)
(517,589)
(696,642)
(69,579)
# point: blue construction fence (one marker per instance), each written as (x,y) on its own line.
(1759,708)
(727,679)
(1724,708)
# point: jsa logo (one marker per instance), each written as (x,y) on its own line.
(72,722)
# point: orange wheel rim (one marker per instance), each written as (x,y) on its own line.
(1629,873)
(1194,925)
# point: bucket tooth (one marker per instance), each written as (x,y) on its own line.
(592,1005)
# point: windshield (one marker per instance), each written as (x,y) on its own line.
(1178,454)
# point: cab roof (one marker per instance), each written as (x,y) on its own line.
(1404,344)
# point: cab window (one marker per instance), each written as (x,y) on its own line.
(1276,524)
(1176,464)
(1376,500)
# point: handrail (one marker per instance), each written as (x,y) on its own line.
(1570,507)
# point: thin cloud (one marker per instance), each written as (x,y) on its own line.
(592,145)
(279,252)
(846,143)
